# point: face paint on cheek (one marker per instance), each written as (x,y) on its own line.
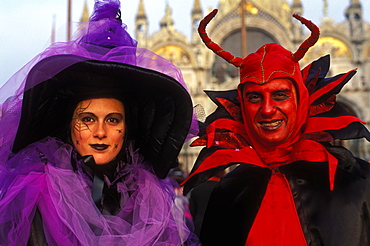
(116,146)
(78,127)
(120,130)
(78,124)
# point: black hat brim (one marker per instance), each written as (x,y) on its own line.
(164,107)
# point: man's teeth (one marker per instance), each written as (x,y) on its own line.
(271,124)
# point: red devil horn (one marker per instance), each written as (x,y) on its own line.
(236,61)
(310,41)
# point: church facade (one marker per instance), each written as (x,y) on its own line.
(348,44)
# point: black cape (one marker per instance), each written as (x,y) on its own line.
(332,218)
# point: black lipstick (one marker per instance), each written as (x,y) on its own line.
(99,146)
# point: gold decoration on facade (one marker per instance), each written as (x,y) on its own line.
(175,54)
(251,8)
(286,7)
(327,45)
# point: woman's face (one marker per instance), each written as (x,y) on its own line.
(98,128)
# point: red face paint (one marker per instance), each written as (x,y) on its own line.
(270,110)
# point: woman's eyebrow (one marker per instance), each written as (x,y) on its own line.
(115,113)
(85,113)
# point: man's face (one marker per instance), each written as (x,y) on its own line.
(98,128)
(270,110)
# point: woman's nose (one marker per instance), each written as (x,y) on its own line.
(100,131)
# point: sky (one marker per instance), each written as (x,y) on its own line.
(25,25)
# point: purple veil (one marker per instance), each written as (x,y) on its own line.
(70,217)
(103,39)
(149,217)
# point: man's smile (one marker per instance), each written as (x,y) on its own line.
(270,125)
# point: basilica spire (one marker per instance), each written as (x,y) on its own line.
(84,19)
(326,15)
(355,2)
(167,21)
(196,16)
(196,7)
(85,13)
(141,25)
(141,14)
(296,26)
(355,19)
(297,7)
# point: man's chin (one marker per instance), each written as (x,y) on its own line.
(271,142)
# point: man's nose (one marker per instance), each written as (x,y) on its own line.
(268,107)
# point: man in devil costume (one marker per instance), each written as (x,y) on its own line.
(291,187)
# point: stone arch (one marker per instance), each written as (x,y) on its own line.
(261,29)
(220,28)
(352,107)
(222,69)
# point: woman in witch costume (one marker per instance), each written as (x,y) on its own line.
(87,140)
(291,186)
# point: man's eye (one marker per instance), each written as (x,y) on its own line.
(281,96)
(254,98)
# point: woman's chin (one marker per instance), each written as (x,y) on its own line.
(101,160)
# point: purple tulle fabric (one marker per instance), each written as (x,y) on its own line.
(70,217)
(99,31)
(42,176)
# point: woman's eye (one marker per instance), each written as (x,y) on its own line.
(87,119)
(113,120)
